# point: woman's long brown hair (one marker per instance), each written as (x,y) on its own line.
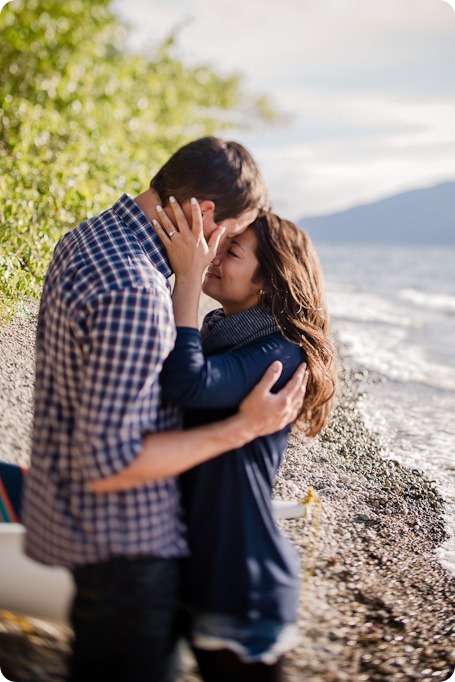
(293,290)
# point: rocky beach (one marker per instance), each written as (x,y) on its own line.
(375,603)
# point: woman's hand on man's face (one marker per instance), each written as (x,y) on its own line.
(188,251)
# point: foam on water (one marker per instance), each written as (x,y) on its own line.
(390,353)
(417,429)
(393,310)
(440,302)
(348,303)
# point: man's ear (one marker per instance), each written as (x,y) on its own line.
(207,206)
(208,217)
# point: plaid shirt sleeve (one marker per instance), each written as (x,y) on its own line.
(128,335)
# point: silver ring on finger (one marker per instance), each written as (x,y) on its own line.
(169,234)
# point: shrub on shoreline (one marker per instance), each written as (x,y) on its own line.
(84,119)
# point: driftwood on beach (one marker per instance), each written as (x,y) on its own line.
(375,603)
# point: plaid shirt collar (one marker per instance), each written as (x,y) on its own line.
(132,215)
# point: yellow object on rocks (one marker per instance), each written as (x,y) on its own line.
(313,512)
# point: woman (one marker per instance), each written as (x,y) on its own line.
(241,581)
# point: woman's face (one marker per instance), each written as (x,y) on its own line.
(229,276)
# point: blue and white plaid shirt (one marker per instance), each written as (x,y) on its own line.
(105,328)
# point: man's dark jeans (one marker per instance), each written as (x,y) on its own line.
(125,621)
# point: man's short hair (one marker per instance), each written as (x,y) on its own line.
(213,169)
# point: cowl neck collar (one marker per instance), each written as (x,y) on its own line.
(221,333)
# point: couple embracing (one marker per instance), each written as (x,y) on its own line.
(155,444)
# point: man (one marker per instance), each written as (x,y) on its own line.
(105,328)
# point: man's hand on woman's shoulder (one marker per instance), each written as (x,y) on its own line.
(269,412)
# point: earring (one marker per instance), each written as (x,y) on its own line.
(262,292)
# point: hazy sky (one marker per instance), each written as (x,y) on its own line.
(368,85)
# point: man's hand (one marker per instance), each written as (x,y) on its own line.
(169,453)
(269,412)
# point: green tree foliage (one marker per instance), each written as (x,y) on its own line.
(84,120)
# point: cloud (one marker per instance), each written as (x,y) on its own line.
(323,179)
(368,87)
(376,147)
(298,37)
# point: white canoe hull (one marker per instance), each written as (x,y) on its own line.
(33,589)
(28,587)
(282,509)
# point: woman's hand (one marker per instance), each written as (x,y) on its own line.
(189,255)
(186,247)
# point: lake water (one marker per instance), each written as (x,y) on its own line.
(393,309)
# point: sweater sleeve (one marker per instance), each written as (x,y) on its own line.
(192,380)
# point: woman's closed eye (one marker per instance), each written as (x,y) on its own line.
(232,253)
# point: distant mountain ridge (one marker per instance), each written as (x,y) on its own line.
(421,216)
